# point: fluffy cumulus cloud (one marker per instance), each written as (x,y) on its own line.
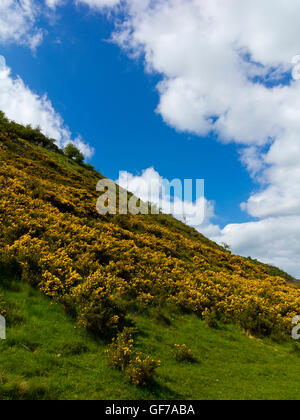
(26,107)
(226,69)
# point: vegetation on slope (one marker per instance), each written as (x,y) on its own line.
(103,269)
(274,271)
(45,357)
(34,135)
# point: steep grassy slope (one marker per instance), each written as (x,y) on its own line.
(103,269)
(44,357)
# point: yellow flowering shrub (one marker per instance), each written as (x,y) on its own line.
(121,355)
(140,370)
(2,306)
(120,352)
(99,266)
(183,353)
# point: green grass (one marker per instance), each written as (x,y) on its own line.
(45,357)
(70,165)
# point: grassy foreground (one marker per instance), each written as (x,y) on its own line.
(45,357)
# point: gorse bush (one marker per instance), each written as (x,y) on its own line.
(211,318)
(121,355)
(100,267)
(121,352)
(183,353)
(101,314)
(141,370)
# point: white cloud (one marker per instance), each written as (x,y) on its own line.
(99,4)
(52,4)
(22,105)
(84,147)
(271,240)
(199,47)
(17,23)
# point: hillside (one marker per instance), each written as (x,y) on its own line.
(151,272)
(44,357)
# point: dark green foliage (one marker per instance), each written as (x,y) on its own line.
(89,167)
(73,153)
(211,319)
(33,135)
(100,314)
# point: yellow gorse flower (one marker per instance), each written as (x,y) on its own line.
(50,230)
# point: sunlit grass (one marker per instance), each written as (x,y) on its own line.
(45,357)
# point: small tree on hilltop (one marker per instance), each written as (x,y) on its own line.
(72,152)
(226,247)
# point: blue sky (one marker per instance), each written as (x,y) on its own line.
(191,88)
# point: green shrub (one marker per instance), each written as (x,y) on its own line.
(183,353)
(120,352)
(89,167)
(69,306)
(33,135)
(101,314)
(211,318)
(73,153)
(257,322)
(140,371)
(121,355)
